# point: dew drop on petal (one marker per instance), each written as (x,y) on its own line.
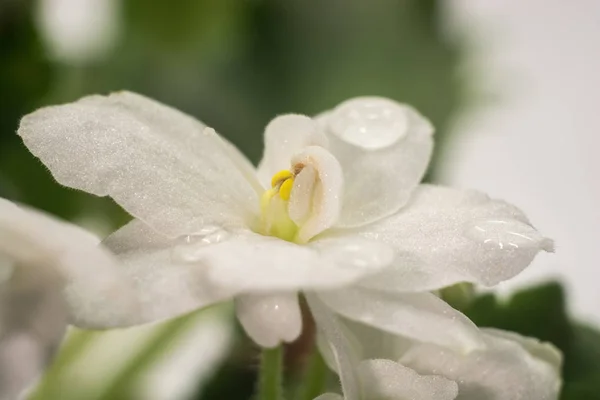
(500,234)
(369,122)
(190,247)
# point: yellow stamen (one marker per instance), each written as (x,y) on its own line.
(280,177)
(266,198)
(286,189)
(275,220)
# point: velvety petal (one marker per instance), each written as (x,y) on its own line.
(248,262)
(166,283)
(96,292)
(421,316)
(388,380)
(337,347)
(285,136)
(445,236)
(504,370)
(161,165)
(270,319)
(384,149)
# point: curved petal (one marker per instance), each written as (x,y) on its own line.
(445,236)
(420,316)
(504,370)
(97,294)
(248,262)
(384,148)
(285,136)
(543,351)
(270,319)
(324,192)
(161,165)
(388,380)
(337,346)
(165,284)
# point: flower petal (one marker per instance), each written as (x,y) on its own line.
(543,351)
(420,316)
(388,380)
(285,136)
(384,149)
(339,349)
(23,357)
(504,370)
(270,319)
(165,284)
(445,236)
(324,192)
(96,292)
(161,165)
(248,262)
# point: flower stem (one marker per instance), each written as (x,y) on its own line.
(315,377)
(270,381)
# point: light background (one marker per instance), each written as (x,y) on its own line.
(538,143)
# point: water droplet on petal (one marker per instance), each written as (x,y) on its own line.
(507,235)
(370,122)
(190,247)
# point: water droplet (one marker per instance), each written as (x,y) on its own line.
(190,247)
(370,122)
(500,234)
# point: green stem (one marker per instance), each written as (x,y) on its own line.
(315,377)
(270,385)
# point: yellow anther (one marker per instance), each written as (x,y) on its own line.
(280,177)
(286,189)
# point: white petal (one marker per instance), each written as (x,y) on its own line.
(339,348)
(301,198)
(388,380)
(421,316)
(161,165)
(23,358)
(324,193)
(165,284)
(384,149)
(248,262)
(270,319)
(445,236)
(543,351)
(285,136)
(96,292)
(504,370)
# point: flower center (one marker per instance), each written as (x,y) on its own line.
(304,200)
(274,206)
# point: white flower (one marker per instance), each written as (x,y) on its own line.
(374,379)
(511,367)
(335,208)
(508,367)
(50,272)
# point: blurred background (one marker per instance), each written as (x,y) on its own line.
(511,86)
